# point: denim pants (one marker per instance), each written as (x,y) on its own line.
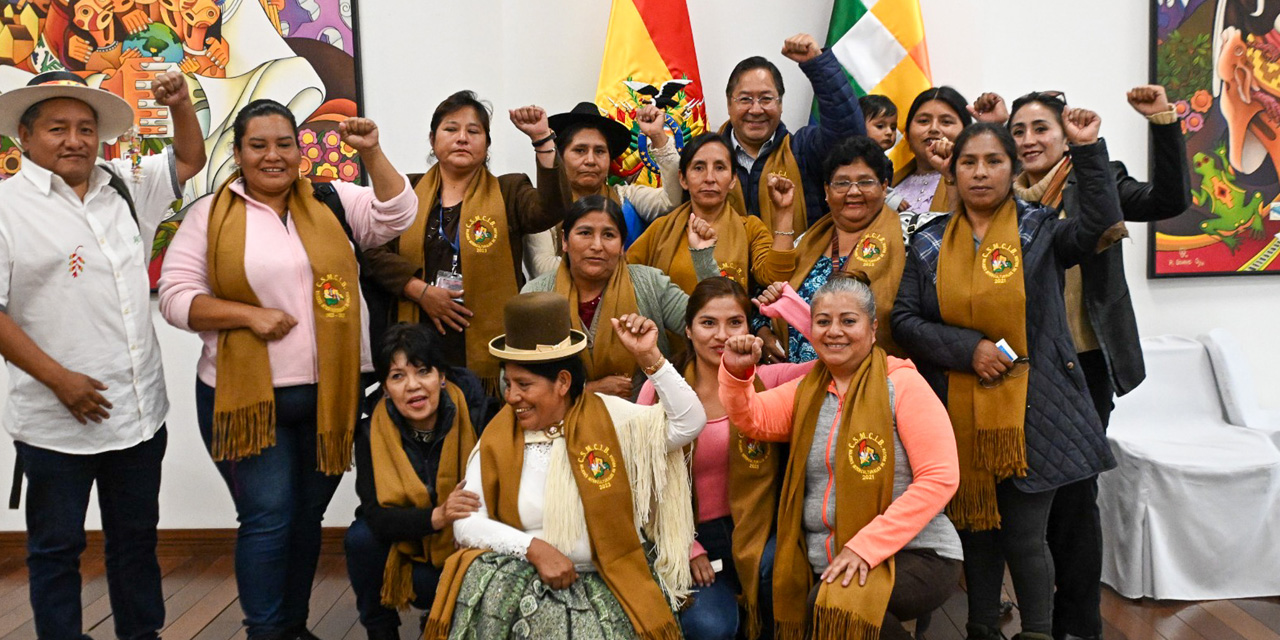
(366,561)
(58,486)
(280,499)
(713,614)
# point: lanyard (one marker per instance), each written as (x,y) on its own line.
(835,252)
(456,243)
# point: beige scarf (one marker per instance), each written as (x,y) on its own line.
(668,246)
(607,357)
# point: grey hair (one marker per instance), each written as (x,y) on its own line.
(853,285)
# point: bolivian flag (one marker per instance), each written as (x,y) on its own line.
(649,57)
(881,45)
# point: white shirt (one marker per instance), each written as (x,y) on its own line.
(685,420)
(73,276)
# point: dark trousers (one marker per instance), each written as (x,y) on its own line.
(923,580)
(1075,529)
(713,613)
(280,499)
(58,486)
(366,562)
(1020,541)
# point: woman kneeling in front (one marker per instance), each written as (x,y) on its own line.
(567,481)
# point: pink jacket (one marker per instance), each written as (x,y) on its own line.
(922,426)
(279,273)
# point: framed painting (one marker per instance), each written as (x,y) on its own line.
(1220,61)
(301,53)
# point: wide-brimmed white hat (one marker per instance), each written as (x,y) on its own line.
(114,114)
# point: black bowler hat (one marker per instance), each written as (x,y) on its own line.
(616,134)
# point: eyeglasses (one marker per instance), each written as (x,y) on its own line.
(840,187)
(1019,368)
(764,101)
(1042,96)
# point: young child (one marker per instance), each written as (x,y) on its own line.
(881,116)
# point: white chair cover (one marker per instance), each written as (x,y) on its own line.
(1193,509)
(1237,385)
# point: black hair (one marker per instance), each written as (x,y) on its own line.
(707,290)
(551,370)
(257,109)
(874,105)
(855,148)
(692,148)
(591,204)
(1002,135)
(462,100)
(751,64)
(1051,100)
(29,117)
(418,345)
(944,94)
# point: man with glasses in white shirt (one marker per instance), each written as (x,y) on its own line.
(86,399)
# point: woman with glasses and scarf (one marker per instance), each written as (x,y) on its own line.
(981,313)
(1099,312)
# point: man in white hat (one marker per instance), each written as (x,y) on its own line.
(86,397)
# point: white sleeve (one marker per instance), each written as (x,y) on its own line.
(154,189)
(650,202)
(540,253)
(685,415)
(479,530)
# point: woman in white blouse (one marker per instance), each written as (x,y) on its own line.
(578,491)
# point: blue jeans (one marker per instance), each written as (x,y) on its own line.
(58,486)
(366,561)
(280,499)
(713,615)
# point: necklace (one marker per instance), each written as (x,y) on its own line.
(555,431)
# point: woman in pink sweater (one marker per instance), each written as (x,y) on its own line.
(872,464)
(735,478)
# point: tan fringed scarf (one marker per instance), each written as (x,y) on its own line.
(864,488)
(607,356)
(594,451)
(940,201)
(488,268)
(984,290)
(879,252)
(244,411)
(1048,191)
(780,162)
(669,248)
(398,485)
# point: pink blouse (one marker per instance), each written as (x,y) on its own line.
(279,273)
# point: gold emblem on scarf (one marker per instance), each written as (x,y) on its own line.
(1000,261)
(871,249)
(482,232)
(733,271)
(867,454)
(753,451)
(333,296)
(597,465)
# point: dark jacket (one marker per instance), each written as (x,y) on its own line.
(839,117)
(1106,292)
(529,210)
(1064,436)
(395,524)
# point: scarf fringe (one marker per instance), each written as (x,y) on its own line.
(436,629)
(789,630)
(754,625)
(662,498)
(397,581)
(564,521)
(830,623)
(333,452)
(1003,451)
(243,432)
(973,508)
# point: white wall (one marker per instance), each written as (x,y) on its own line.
(515,52)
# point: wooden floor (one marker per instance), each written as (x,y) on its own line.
(200,597)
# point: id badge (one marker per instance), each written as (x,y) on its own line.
(449,280)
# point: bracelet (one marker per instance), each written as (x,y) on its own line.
(551,136)
(551,150)
(423,294)
(652,369)
(784,233)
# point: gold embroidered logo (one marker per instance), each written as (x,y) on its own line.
(732,271)
(870,249)
(753,451)
(597,465)
(332,296)
(482,232)
(867,454)
(1001,261)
